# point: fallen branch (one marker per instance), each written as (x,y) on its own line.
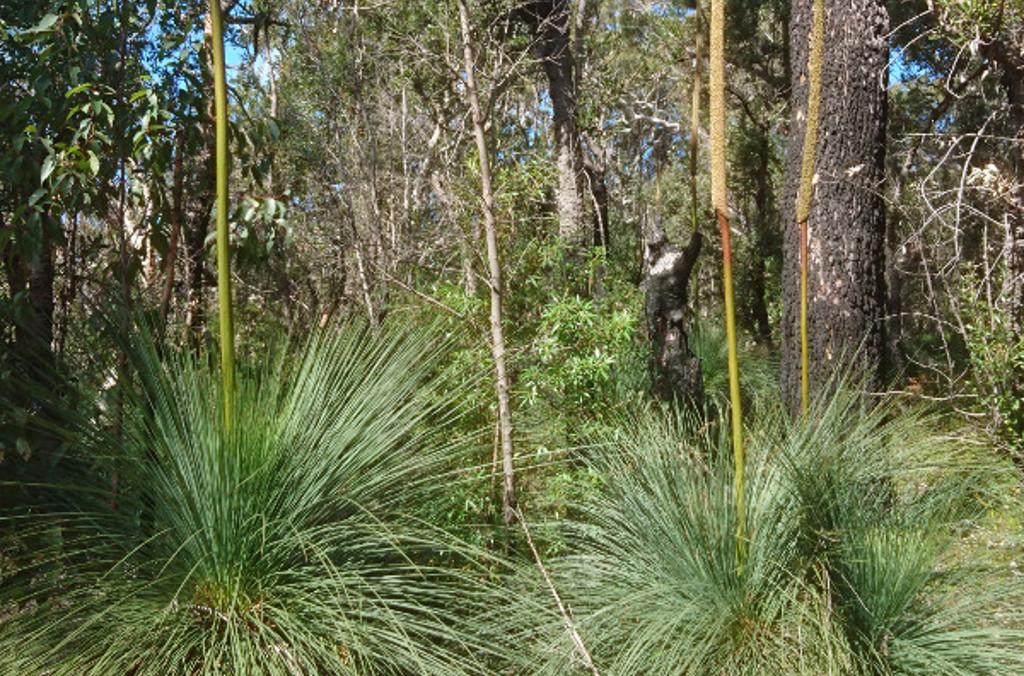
(570,626)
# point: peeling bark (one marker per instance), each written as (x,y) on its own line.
(675,370)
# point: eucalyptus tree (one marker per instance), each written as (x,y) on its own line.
(556,25)
(501,377)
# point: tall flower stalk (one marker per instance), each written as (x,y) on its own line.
(227,331)
(719,200)
(806,189)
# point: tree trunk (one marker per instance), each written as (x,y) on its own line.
(761,222)
(1010,59)
(675,370)
(550,19)
(846,283)
(599,195)
(40,300)
(501,379)
(201,199)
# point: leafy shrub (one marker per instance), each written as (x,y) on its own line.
(583,358)
(997,365)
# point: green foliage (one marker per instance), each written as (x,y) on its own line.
(291,545)
(584,356)
(996,358)
(969,19)
(759,378)
(851,520)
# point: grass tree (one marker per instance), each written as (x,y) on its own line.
(720,202)
(300,543)
(855,563)
(274,524)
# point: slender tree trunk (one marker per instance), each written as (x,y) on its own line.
(554,47)
(69,289)
(596,171)
(501,380)
(846,282)
(178,215)
(692,151)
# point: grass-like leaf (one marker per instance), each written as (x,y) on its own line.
(853,518)
(290,545)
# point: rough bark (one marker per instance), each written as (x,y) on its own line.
(550,20)
(846,286)
(501,378)
(762,223)
(33,335)
(675,370)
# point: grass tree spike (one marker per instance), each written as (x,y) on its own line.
(227,330)
(806,189)
(719,200)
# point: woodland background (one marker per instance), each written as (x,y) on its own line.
(369,191)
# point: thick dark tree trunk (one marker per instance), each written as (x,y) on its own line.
(31,362)
(675,370)
(40,300)
(550,19)
(1011,62)
(762,221)
(846,296)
